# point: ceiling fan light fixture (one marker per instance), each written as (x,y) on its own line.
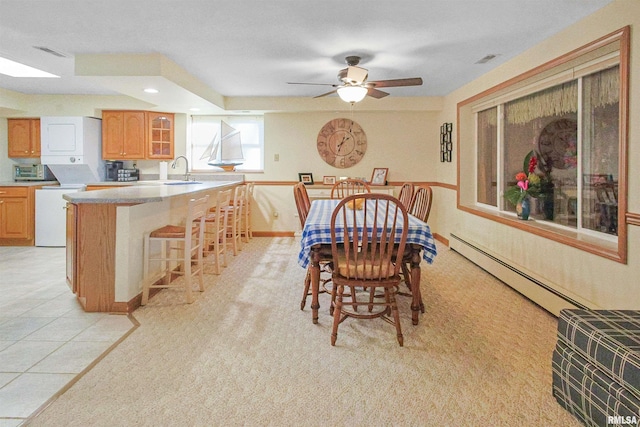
(352,94)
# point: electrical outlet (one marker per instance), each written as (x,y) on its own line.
(276,157)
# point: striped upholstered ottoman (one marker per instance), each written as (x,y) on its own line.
(596,366)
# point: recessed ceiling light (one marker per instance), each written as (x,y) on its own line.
(151,90)
(16,69)
(194,109)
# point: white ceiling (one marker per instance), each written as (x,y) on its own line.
(252,48)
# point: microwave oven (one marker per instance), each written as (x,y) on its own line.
(32,173)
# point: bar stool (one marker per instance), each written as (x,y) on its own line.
(247,231)
(181,246)
(234,218)
(215,232)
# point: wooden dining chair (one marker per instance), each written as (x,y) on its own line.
(421,203)
(406,194)
(181,247)
(363,260)
(303,205)
(302,201)
(420,208)
(347,187)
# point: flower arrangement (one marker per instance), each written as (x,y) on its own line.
(528,182)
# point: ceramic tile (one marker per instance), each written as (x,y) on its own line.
(20,306)
(72,357)
(110,328)
(19,327)
(44,329)
(24,354)
(56,307)
(13,422)
(5,344)
(25,394)
(62,329)
(6,377)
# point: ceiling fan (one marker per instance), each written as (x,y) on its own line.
(354,85)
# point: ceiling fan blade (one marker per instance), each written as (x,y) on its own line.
(414,81)
(315,84)
(375,93)
(326,94)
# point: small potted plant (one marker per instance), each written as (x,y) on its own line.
(528,185)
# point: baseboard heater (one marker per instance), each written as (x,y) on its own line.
(534,289)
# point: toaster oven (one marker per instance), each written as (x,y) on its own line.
(32,173)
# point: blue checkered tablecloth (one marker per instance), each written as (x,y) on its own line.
(317,230)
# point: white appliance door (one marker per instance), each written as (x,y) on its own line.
(51,216)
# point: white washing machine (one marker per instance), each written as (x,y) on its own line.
(51,214)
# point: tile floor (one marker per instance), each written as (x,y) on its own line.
(46,339)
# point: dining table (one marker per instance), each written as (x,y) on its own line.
(315,248)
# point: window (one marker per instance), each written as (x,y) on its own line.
(570,115)
(209,137)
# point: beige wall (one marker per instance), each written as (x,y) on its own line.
(406,142)
(595,281)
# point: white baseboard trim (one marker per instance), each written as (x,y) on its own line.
(544,294)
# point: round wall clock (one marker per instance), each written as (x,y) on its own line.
(342,143)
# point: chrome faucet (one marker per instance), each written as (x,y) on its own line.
(186,169)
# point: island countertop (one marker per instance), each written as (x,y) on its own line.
(145,193)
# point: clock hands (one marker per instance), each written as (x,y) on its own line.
(344,139)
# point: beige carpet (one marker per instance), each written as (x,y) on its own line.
(244,354)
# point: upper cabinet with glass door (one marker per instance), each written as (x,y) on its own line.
(160,135)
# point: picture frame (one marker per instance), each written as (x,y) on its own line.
(306,178)
(379,176)
(329,180)
(446,144)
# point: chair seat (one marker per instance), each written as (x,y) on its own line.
(169,232)
(364,270)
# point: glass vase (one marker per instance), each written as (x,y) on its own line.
(525,208)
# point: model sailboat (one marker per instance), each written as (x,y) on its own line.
(225,153)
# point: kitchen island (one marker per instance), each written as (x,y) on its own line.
(105,231)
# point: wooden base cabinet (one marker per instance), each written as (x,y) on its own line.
(91,249)
(17,216)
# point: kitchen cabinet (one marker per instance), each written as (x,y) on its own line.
(137,135)
(160,136)
(123,135)
(23,137)
(17,216)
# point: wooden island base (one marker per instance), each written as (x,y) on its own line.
(105,232)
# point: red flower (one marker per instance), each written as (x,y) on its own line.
(533,162)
